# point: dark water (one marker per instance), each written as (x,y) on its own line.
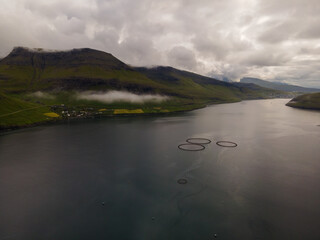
(55,179)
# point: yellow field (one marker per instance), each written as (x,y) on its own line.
(102,110)
(127,111)
(51,114)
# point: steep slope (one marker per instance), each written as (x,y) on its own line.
(278,86)
(307,101)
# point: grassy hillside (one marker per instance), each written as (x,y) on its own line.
(15,112)
(63,75)
(197,86)
(307,101)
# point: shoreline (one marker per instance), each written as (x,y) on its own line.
(303,107)
(4,130)
(73,119)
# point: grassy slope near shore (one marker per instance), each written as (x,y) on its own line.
(306,101)
(27,109)
(15,112)
(18,111)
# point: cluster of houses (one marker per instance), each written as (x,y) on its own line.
(72,112)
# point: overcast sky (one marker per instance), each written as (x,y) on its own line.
(277,40)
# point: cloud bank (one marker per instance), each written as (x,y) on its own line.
(270,39)
(40,94)
(120,96)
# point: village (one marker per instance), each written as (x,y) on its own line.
(67,112)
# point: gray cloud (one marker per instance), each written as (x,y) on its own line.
(120,96)
(265,57)
(312,31)
(277,32)
(270,39)
(182,57)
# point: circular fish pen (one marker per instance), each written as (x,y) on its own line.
(200,141)
(182,181)
(191,147)
(226,144)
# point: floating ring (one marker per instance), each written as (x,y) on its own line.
(200,141)
(193,147)
(182,181)
(226,144)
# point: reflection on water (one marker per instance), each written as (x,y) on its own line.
(117,178)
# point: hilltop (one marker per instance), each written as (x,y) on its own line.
(54,79)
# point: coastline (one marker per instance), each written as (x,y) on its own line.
(53,121)
(6,129)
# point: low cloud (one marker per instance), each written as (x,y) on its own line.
(120,96)
(182,57)
(40,94)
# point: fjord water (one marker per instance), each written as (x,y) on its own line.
(117,178)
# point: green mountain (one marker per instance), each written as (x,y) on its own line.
(278,86)
(307,101)
(54,79)
(25,70)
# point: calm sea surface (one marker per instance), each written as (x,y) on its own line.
(117,178)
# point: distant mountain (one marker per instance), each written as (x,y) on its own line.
(307,101)
(278,86)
